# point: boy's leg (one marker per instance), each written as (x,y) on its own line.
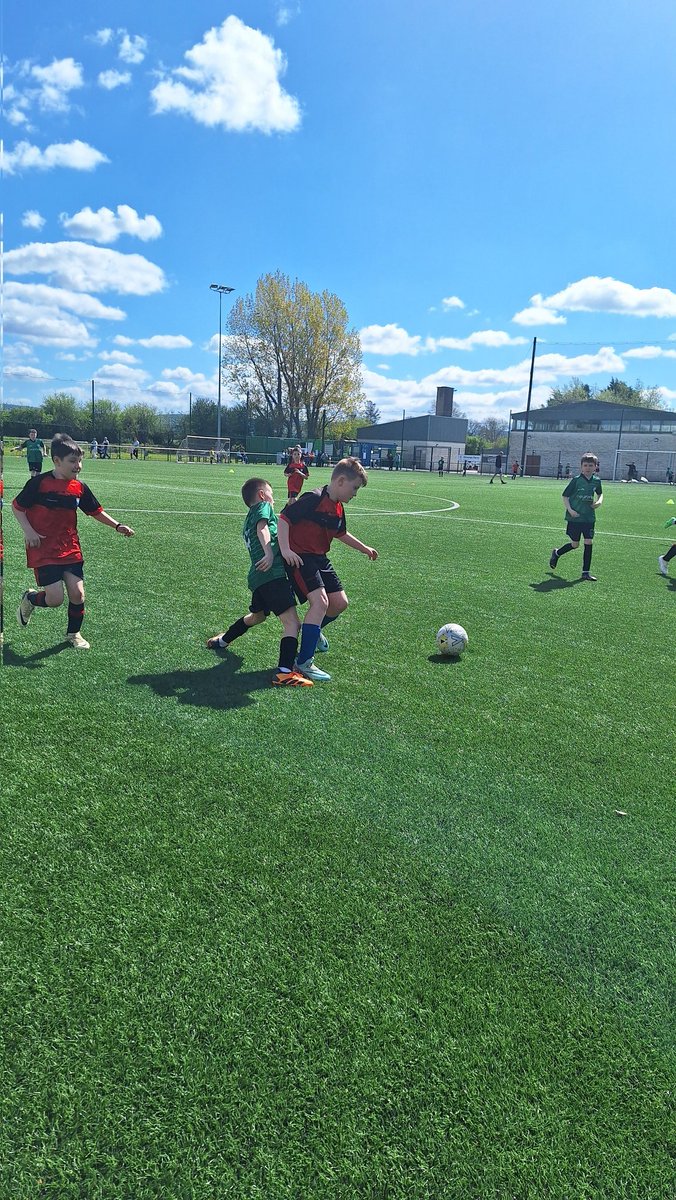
(665,558)
(76,607)
(286,676)
(586,560)
(556,554)
(50,596)
(220,641)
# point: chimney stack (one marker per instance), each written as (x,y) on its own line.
(445,401)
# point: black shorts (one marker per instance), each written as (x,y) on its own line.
(316,572)
(276,597)
(35,464)
(576,530)
(53,572)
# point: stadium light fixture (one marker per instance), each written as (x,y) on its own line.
(222,291)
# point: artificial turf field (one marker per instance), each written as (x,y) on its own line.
(403,936)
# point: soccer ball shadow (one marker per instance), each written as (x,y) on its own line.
(446,659)
(220,685)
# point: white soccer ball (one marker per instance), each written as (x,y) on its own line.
(452,640)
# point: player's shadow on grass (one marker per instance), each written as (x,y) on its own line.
(32,661)
(554,584)
(216,686)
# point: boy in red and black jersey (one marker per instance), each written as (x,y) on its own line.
(305,532)
(296,473)
(52,545)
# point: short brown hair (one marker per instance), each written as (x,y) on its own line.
(589,458)
(251,488)
(351,468)
(63,445)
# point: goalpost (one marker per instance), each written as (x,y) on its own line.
(655,466)
(210,450)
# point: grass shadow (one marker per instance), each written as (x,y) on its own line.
(215,686)
(554,584)
(444,658)
(32,661)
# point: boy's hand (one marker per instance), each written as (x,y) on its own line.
(371,553)
(572,514)
(32,538)
(265,562)
(294,560)
(125,530)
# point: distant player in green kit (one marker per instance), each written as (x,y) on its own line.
(35,451)
(581,497)
(270,587)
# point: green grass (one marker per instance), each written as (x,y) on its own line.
(386,938)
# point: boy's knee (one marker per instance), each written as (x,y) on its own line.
(339,604)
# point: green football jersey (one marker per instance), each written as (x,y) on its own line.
(580,494)
(35,449)
(262,512)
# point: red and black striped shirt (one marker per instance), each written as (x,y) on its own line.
(53,504)
(315,520)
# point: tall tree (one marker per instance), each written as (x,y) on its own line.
(60,409)
(291,351)
(616,392)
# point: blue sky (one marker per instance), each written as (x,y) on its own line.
(464,174)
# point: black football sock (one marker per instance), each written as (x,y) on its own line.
(288,648)
(236,630)
(38,599)
(586,558)
(564,549)
(75,617)
(328,620)
(670,553)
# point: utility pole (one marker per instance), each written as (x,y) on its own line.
(222,291)
(530,392)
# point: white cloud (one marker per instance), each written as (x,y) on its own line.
(649,352)
(667,393)
(113,79)
(389,339)
(232,81)
(450,302)
(103,36)
(537,314)
(287,11)
(16,116)
(166,341)
(493,338)
(596,294)
(119,375)
(392,339)
(507,386)
(121,339)
(26,373)
(87,268)
(187,377)
(56,81)
(45,325)
(118,356)
(106,226)
(608,295)
(32,219)
(77,155)
(132,48)
(50,297)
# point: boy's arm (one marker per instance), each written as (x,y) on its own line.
(263,534)
(32,538)
(599,500)
(348,540)
(566,493)
(294,560)
(106,519)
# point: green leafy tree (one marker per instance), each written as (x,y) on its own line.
(60,410)
(204,421)
(291,350)
(107,419)
(142,421)
(616,392)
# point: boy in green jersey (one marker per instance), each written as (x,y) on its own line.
(270,587)
(581,497)
(35,451)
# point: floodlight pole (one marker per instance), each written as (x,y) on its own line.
(530,392)
(222,291)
